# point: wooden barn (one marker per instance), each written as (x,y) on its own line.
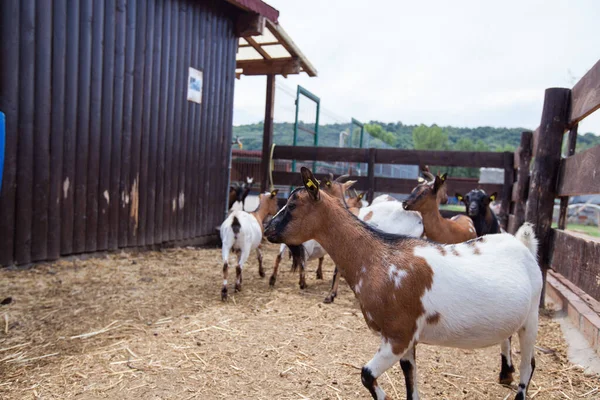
(119,119)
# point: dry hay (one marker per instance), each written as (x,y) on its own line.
(152,326)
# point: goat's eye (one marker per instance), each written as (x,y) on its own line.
(291,206)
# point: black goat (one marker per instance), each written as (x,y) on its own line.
(477,204)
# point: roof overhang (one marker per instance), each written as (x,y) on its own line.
(258,7)
(271,53)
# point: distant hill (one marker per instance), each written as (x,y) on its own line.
(496,139)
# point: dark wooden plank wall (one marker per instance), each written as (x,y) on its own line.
(103,149)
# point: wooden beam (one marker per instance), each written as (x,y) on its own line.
(269,67)
(250,24)
(586,95)
(579,173)
(260,44)
(520,189)
(578,260)
(542,190)
(387,185)
(506,193)
(564,201)
(321,154)
(258,48)
(371,171)
(388,156)
(267,133)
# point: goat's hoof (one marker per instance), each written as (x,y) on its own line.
(328,299)
(506,380)
(261,273)
(238,287)
(224,294)
(303,285)
(272,280)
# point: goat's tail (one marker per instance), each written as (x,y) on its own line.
(235,226)
(527,236)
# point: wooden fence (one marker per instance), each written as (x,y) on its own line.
(573,256)
(371,157)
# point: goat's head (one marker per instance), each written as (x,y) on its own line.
(356,201)
(269,200)
(477,201)
(336,187)
(300,218)
(442,194)
(425,195)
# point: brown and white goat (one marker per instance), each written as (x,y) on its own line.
(469,295)
(424,198)
(312,250)
(243,232)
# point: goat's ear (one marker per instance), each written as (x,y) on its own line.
(421,179)
(443,177)
(327,182)
(360,196)
(437,183)
(459,197)
(274,193)
(493,196)
(310,183)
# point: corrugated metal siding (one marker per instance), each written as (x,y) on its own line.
(103,150)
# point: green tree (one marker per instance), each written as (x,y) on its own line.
(378,132)
(429,138)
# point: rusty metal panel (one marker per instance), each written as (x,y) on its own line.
(103,149)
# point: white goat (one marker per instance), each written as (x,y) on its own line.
(243,232)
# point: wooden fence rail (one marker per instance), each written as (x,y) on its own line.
(372,156)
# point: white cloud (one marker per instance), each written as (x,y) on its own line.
(462,63)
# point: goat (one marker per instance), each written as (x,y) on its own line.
(312,250)
(477,204)
(424,198)
(389,217)
(239,192)
(243,232)
(469,295)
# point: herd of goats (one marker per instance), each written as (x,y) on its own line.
(418,277)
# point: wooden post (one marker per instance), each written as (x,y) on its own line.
(509,178)
(267,133)
(371,193)
(542,190)
(522,185)
(564,201)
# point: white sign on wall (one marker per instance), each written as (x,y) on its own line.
(195,86)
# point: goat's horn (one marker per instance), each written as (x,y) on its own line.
(339,178)
(428,175)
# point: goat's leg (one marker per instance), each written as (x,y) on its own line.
(225,255)
(527,336)
(276,266)
(242,258)
(409,368)
(261,271)
(383,360)
(507,368)
(302,274)
(334,287)
(320,268)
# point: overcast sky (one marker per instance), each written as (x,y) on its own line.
(461,63)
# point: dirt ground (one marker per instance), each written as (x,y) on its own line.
(152,326)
